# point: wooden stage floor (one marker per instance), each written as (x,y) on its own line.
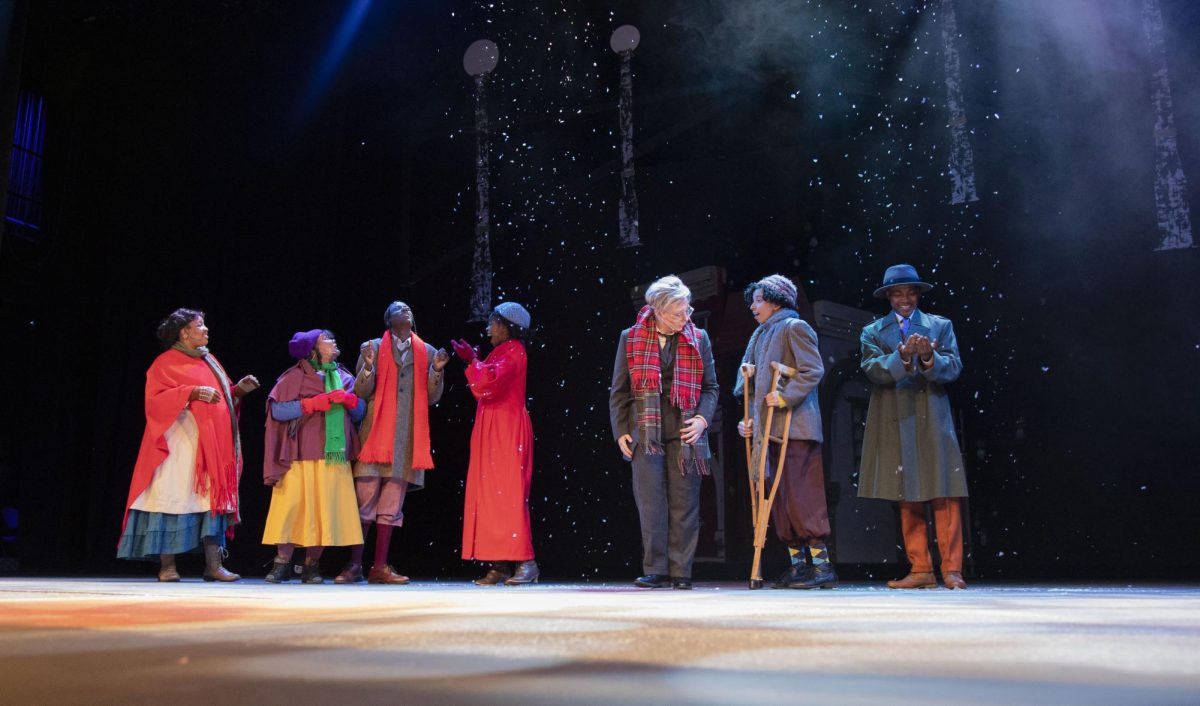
(89,641)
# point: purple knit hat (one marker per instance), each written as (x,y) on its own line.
(779,285)
(303,342)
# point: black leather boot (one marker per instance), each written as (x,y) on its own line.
(311,573)
(822,576)
(281,571)
(527,572)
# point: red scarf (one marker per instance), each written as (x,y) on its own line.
(381,441)
(169,382)
(645,366)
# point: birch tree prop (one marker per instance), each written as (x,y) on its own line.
(479,61)
(623,41)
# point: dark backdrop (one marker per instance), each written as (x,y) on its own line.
(222,156)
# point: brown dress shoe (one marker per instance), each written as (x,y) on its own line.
(351,573)
(386,574)
(953,579)
(168,574)
(499,572)
(923,579)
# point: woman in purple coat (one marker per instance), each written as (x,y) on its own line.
(309,447)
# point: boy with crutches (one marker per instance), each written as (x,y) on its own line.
(799,511)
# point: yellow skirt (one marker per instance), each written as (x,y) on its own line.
(314,505)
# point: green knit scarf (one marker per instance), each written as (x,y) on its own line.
(335,418)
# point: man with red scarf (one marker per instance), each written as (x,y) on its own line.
(662,399)
(400,376)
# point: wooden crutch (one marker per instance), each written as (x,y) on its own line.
(764,501)
(747,376)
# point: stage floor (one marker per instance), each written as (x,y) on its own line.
(134,641)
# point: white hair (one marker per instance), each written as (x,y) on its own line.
(666,290)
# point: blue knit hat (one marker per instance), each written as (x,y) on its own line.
(513,312)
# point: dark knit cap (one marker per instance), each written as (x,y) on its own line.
(781,287)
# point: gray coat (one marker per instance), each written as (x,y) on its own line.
(787,339)
(621,400)
(910,451)
(364,387)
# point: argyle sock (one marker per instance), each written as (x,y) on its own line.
(795,556)
(819,553)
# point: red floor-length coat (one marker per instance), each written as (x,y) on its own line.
(496,515)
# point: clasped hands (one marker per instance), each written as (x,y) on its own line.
(919,345)
(324,401)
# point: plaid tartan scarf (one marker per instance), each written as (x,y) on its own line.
(645,372)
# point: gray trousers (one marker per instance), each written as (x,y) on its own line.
(668,505)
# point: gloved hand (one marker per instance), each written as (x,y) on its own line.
(463,350)
(349,400)
(316,403)
(336,396)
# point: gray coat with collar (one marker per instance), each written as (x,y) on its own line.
(910,451)
(784,338)
(364,387)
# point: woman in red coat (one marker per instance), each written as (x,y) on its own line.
(496,514)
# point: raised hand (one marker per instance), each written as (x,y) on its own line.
(245,386)
(908,347)
(463,350)
(440,359)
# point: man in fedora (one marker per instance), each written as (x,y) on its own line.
(910,452)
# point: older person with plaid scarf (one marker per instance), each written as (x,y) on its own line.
(662,399)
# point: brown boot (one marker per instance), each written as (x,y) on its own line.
(527,572)
(923,579)
(954,579)
(213,570)
(386,574)
(499,572)
(167,573)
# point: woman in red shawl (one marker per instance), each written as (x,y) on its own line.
(496,514)
(184,489)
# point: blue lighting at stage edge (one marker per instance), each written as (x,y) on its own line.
(25,170)
(333,56)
